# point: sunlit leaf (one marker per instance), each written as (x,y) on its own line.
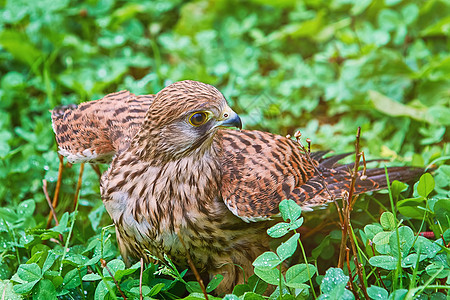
(426,185)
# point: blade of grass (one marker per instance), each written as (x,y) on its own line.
(74,216)
(398,270)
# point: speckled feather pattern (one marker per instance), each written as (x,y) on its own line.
(218,188)
(94,131)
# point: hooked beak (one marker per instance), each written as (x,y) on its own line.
(230,119)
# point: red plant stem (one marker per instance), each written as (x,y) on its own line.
(57,189)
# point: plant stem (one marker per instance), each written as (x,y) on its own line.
(307,268)
(57,189)
(399,256)
(81,284)
(194,269)
(74,216)
(110,290)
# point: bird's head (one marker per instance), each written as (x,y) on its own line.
(184,117)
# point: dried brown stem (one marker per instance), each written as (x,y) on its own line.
(351,201)
(52,209)
(297,136)
(378,270)
(351,285)
(355,170)
(344,214)
(80,180)
(364,164)
(313,231)
(96,168)
(355,175)
(47,197)
(104,265)
(194,269)
(348,208)
(344,226)
(57,189)
(358,271)
(347,250)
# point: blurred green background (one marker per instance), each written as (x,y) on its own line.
(324,67)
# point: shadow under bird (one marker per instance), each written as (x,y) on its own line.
(176,171)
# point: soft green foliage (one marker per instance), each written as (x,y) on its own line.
(324,67)
(333,285)
(268,266)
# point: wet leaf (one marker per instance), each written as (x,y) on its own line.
(267,260)
(287,249)
(290,210)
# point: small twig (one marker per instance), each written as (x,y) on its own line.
(347,250)
(348,203)
(194,269)
(364,166)
(57,189)
(350,208)
(445,243)
(104,265)
(80,180)
(297,136)
(47,197)
(344,226)
(356,167)
(313,231)
(378,270)
(96,168)
(361,280)
(352,278)
(141,297)
(52,209)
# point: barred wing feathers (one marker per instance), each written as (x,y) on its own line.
(95,131)
(260,169)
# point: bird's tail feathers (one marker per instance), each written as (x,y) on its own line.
(336,179)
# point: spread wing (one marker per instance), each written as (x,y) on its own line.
(95,131)
(260,169)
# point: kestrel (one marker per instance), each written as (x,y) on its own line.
(176,171)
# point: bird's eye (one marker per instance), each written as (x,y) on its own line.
(198,118)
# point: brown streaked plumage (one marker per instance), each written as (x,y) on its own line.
(96,130)
(217,188)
